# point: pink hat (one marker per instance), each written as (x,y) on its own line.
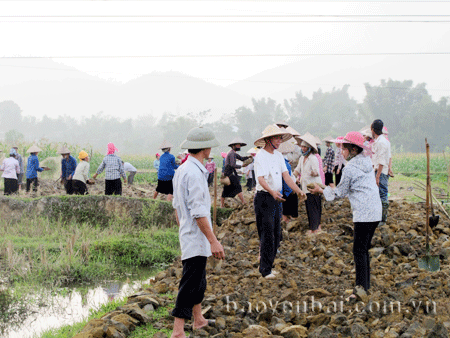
(224,155)
(111,148)
(157,154)
(354,137)
(385,131)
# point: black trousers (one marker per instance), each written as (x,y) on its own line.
(192,287)
(328,178)
(79,187)
(250,184)
(35,184)
(362,237)
(11,186)
(210,179)
(313,205)
(68,186)
(338,176)
(113,187)
(268,222)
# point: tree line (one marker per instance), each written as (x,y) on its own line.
(408,111)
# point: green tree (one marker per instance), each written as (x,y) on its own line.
(10,116)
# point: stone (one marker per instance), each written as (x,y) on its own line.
(361,294)
(112,332)
(84,335)
(256,331)
(359,330)
(148,308)
(323,332)
(295,331)
(438,331)
(139,315)
(220,323)
(318,292)
(93,324)
(129,322)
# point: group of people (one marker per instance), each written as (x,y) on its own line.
(363,180)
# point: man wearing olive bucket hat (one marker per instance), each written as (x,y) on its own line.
(234,188)
(192,203)
(270,171)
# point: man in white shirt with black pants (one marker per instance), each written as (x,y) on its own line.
(381,149)
(270,170)
(192,204)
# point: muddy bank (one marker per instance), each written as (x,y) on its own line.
(98,209)
(317,273)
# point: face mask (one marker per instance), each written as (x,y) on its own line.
(237,148)
(306,152)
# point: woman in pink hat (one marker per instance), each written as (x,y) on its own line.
(113,167)
(359,185)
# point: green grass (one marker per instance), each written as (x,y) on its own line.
(69,331)
(39,251)
(415,165)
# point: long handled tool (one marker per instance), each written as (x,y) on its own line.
(428,262)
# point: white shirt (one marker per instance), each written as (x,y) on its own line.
(128,167)
(10,167)
(191,200)
(271,167)
(82,172)
(305,170)
(381,153)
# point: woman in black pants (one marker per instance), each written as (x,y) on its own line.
(358,183)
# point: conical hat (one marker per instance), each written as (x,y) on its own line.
(253,150)
(34,149)
(63,150)
(282,124)
(237,140)
(318,140)
(292,131)
(328,139)
(367,133)
(287,147)
(308,138)
(272,130)
(165,144)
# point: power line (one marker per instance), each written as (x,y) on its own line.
(232,16)
(230,21)
(220,55)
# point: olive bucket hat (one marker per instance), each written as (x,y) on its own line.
(200,138)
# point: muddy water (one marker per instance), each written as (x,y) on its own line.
(50,310)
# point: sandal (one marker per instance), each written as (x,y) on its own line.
(211,323)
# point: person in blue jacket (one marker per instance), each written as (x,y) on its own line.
(68,166)
(33,168)
(166,171)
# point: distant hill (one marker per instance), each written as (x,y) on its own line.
(46,87)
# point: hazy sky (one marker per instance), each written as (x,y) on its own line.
(193,36)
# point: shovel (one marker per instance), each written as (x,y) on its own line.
(434,219)
(428,262)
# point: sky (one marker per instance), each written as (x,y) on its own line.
(223,42)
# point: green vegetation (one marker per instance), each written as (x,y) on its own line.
(69,331)
(40,251)
(415,165)
(12,310)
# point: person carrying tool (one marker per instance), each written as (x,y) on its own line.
(68,166)
(270,171)
(358,184)
(192,203)
(112,164)
(381,149)
(33,168)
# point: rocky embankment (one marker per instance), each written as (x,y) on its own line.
(307,299)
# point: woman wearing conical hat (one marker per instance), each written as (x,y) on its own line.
(307,172)
(33,168)
(68,166)
(270,171)
(229,170)
(166,171)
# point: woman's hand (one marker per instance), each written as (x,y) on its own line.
(314,173)
(316,190)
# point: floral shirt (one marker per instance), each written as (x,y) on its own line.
(358,183)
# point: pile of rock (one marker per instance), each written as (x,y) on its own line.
(307,299)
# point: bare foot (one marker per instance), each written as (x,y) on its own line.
(199,323)
(178,335)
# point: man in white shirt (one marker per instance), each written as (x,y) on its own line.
(128,167)
(381,154)
(192,204)
(270,170)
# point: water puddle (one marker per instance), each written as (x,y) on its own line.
(28,317)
